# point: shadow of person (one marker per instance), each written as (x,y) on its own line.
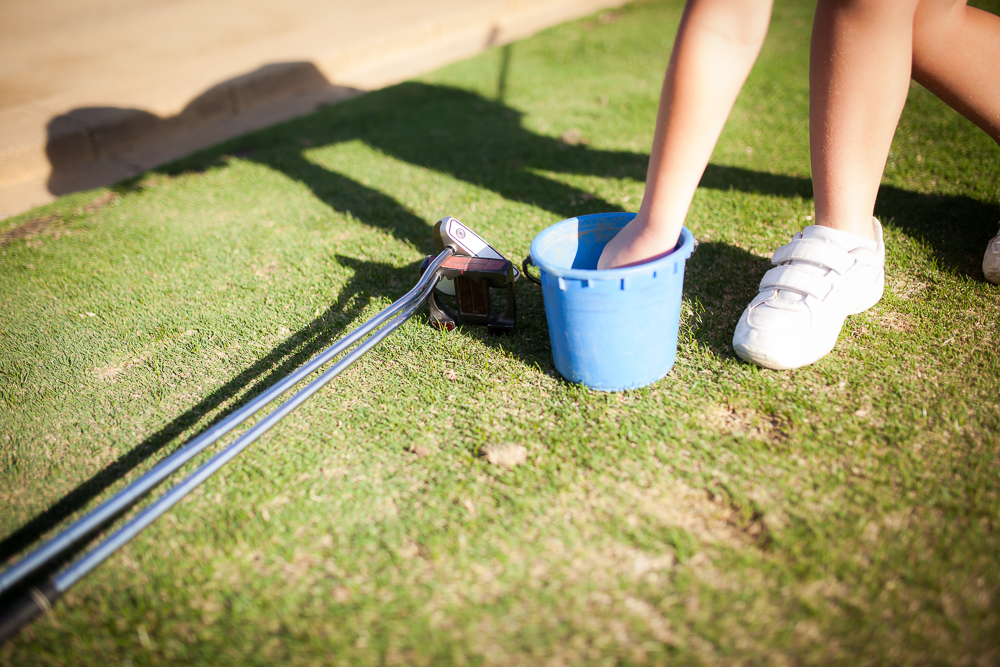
(484,142)
(452,131)
(82,146)
(956,227)
(91,147)
(721,177)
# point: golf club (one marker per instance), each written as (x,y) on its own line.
(472,275)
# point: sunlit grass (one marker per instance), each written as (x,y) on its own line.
(839,513)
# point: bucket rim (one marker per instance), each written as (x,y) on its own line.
(683,250)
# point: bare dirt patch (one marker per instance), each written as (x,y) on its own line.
(109,373)
(48,225)
(573,137)
(744,422)
(29,230)
(677,504)
(100,202)
(665,504)
(907,289)
(508,456)
(895,322)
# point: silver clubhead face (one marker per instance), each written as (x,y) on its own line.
(451,232)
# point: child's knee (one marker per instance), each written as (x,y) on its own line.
(742,22)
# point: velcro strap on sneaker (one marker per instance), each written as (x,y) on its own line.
(814,252)
(790,278)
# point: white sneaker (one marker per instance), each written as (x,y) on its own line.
(820,277)
(991,261)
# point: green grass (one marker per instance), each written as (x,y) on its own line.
(843,513)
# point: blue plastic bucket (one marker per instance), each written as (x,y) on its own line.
(614,329)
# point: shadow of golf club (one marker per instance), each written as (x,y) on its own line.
(370,280)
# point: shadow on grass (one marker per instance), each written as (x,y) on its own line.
(956,228)
(446,130)
(483,142)
(722,279)
(370,280)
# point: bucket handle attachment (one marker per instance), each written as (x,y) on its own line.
(524,270)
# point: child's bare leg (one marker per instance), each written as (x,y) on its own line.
(717,43)
(956,55)
(859,74)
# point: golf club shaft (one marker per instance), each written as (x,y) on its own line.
(110,508)
(39,599)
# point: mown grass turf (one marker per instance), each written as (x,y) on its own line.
(841,513)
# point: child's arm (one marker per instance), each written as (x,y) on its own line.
(717,44)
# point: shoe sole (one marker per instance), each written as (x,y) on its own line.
(761,358)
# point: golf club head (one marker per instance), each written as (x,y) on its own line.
(449,231)
(469,279)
